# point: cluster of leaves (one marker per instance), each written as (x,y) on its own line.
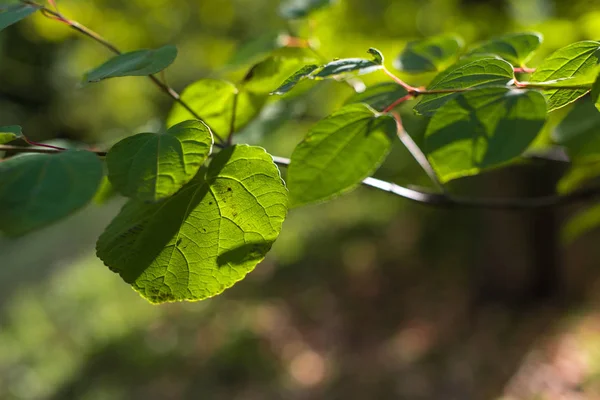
(203,212)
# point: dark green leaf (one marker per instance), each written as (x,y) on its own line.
(338,153)
(136,63)
(379,96)
(579,131)
(39,189)
(483,128)
(470,72)
(15,13)
(213,101)
(293,80)
(429,55)
(350,66)
(576,59)
(251,51)
(516,48)
(207,237)
(10,133)
(596,92)
(151,167)
(292,9)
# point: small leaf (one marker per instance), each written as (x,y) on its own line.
(10,133)
(350,66)
(213,100)
(573,60)
(578,175)
(14,13)
(379,96)
(429,55)
(135,63)
(596,93)
(293,80)
(483,128)
(338,153)
(151,167)
(377,55)
(293,9)
(39,189)
(473,72)
(579,131)
(207,237)
(516,48)
(582,223)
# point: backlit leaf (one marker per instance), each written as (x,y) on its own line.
(151,166)
(295,78)
(338,153)
(429,55)
(14,13)
(579,131)
(350,67)
(578,175)
(39,189)
(379,96)
(135,63)
(516,48)
(213,100)
(573,60)
(596,93)
(292,9)
(582,223)
(473,72)
(9,133)
(207,237)
(483,128)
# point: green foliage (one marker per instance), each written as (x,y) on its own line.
(579,131)
(292,9)
(214,101)
(135,63)
(516,48)
(483,129)
(12,13)
(10,133)
(472,72)
(429,55)
(151,167)
(39,189)
(338,153)
(291,82)
(596,92)
(349,67)
(207,237)
(577,59)
(379,96)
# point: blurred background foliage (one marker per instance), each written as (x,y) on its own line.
(366,297)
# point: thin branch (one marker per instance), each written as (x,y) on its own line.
(450,201)
(98,38)
(409,88)
(42,150)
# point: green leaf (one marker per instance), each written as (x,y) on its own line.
(379,96)
(579,131)
(151,167)
(350,66)
(296,78)
(204,239)
(10,133)
(251,51)
(135,63)
(473,72)
(482,129)
(516,48)
(338,153)
(578,175)
(573,60)
(14,13)
(293,9)
(213,100)
(39,189)
(596,93)
(429,55)
(582,223)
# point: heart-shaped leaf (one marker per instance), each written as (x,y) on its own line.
(151,167)
(204,239)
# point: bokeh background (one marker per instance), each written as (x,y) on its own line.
(366,297)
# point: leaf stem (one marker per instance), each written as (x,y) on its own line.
(55,15)
(409,88)
(46,150)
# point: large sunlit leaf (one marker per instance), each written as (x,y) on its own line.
(483,128)
(13,13)
(338,153)
(429,55)
(10,133)
(292,9)
(213,100)
(39,189)
(516,48)
(467,73)
(135,63)
(207,237)
(152,166)
(576,59)
(579,131)
(379,96)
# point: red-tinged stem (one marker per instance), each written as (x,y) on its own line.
(398,102)
(49,146)
(524,70)
(410,89)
